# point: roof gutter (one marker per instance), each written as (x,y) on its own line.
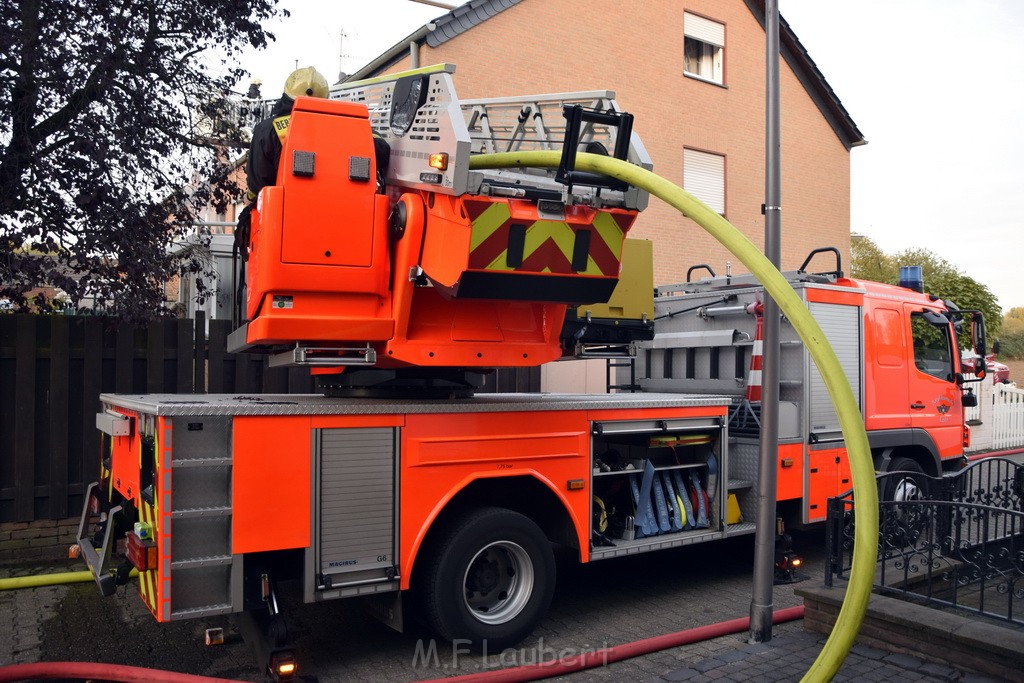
(409,45)
(807,72)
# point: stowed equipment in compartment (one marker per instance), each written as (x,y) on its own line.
(658,484)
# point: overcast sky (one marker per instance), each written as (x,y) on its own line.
(934,85)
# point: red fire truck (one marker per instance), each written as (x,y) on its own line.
(398,482)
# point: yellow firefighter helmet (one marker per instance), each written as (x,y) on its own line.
(306,81)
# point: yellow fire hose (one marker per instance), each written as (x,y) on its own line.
(851,615)
(37,580)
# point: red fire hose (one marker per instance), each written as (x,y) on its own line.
(530,672)
(96,671)
(589,660)
(995,454)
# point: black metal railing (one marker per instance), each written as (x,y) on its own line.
(955,541)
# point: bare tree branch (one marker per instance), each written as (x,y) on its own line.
(98,152)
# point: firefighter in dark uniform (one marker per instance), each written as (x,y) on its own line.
(267,138)
(269,134)
(265,155)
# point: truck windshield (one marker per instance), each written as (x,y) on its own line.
(932,345)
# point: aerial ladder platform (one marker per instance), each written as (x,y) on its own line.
(398,255)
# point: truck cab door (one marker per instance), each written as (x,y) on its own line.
(934,394)
(887,365)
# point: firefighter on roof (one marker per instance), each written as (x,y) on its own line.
(267,136)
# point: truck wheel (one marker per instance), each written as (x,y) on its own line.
(489,580)
(906,487)
(902,524)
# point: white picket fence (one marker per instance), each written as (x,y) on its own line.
(998,421)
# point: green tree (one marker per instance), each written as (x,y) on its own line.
(105,126)
(1011,338)
(869,261)
(941,278)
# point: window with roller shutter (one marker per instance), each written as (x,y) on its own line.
(703,48)
(704,177)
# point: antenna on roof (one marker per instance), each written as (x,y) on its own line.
(432,3)
(341,56)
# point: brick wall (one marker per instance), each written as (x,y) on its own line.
(985,646)
(45,539)
(636,50)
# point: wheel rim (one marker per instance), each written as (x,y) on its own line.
(906,490)
(498,582)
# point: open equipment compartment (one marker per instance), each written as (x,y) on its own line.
(659,484)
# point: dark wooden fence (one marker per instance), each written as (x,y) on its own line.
(53,369)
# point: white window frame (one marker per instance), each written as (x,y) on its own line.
(704,177)
(704,42)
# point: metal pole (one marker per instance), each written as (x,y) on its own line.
(764,553)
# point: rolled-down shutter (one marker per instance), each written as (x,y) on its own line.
(704,177)
(704,30)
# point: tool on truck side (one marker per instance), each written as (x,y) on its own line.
(437,267)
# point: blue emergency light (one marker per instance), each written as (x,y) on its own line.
(911,277)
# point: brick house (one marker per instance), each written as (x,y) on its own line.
(693,74)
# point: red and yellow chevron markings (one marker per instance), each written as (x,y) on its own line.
(148,580)
(149,514)
(587,242)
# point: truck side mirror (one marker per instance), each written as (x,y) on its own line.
(978,337)
(969,400)
(978,333)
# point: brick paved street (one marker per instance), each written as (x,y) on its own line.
(605,604)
